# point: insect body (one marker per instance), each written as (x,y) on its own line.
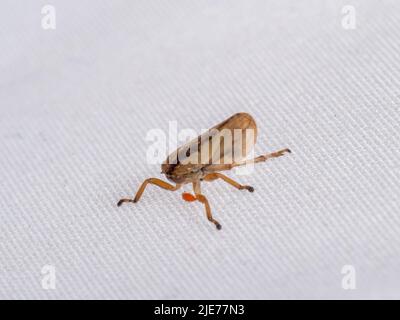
(221,148)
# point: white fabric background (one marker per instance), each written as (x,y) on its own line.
(76,104)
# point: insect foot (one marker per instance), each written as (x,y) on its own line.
(249,188)
(120,202)
(280,153)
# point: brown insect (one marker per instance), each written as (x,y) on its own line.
(222,147)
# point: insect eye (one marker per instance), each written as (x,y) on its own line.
(188,153)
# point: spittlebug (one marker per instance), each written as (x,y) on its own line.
(222,147)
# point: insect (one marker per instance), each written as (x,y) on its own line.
(221,148)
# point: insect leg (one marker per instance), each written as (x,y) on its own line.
(265,157)
(217,175)
(229,166)
(201,198)
(155,181)
(204,200)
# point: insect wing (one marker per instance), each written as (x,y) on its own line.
(234,138)
(229,141)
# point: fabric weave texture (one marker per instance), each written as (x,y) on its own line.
(77,102)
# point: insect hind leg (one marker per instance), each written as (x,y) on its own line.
(223,167)
(276,154)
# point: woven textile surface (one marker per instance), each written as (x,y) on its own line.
(76,105)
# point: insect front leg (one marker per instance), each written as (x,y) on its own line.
(217,175)
(201,198)
(204,200)
(160,183)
